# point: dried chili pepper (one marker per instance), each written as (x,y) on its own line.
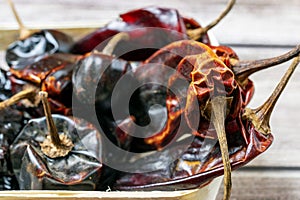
(135,23)
(204,69)
(33,46)
(57,152)
(184,56)
(248,136)
(11,122)
(7,179)
(52,74)
(149,29)
(102,70)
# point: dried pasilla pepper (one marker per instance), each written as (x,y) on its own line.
(11,122)
(53,74)
(57,152)
(102,70)
(7,179)
(248,135)
(34,46)
(149,29)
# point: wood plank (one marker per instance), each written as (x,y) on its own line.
(264,184)
(250,22)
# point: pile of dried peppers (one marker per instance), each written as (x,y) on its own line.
(184,123)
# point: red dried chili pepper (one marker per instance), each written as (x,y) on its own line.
(248,136)
(53,74)
(184,56)
(149,29)
(209,78)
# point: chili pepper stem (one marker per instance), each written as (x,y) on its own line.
(196,34)
(243,69)
(62,145)
(261,116)
(111,45)
(50,123)
(218,105)
(24,32)
(29,93)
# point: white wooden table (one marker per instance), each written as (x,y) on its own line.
(254,29)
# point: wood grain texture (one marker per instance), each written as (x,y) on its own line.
(265,184)
(254,29)
(250,22)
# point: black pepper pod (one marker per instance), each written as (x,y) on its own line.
(36,46)
(11,122)
(94,79)
(8,180)
(69,158)
(31,47)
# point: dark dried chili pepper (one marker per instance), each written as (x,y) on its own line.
(11,122)
(94,79)
(7,179)
(57,152)
(248,136)
(136,23)
(33,46)
(53,74)
(149,29)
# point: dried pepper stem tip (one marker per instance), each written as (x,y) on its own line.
(24,32)
(55,145)
(196,34)
(29,93)
(260,116)
(218,109)
(243,69)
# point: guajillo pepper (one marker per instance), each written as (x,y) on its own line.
(149,29)
(248,136)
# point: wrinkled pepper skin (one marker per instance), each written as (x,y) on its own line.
(52,74)
(149,29)
(94,78)
(201,162)
(7,179)
(184,56)
(79,170)
(208,76)
(12,121)
(37,45)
